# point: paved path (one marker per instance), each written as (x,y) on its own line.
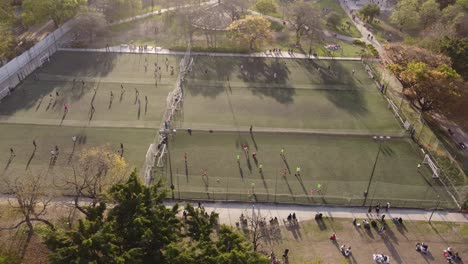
(229,213)
(326,32)
(360,25)
(158,50)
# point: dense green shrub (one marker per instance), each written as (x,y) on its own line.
(265,6)
(277,27)
(373,50)
(359,42)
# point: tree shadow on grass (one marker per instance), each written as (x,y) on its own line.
(350,100)
(30,93)
(268,78)
(209,75)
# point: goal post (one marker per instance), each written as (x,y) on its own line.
(429,162)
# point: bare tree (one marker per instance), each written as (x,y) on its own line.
(31,198)
(304,18)
(235,7)
(95,170)
(255,225)
(90,22)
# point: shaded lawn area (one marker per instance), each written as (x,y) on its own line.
(31,103)
(112,67)
(304,95)
(309,241)
(334,6)
(141,103)
(341,164)
(27,161)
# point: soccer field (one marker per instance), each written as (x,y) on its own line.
(82,81)
(305,96)
(333,169)
(324,113)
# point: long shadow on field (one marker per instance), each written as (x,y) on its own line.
(30,93)
(209,75)
(349,99)
(81,64)
(303,187)
(271,80)
(289,187)
(30,158)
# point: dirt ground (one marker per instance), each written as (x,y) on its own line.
(309,241)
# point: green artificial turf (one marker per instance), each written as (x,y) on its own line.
(341,164)
(235,93)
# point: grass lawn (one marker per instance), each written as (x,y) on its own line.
(341,164)
(302,97)
(334,6)
(308,242)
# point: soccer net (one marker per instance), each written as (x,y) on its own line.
(156,155)
(429,162)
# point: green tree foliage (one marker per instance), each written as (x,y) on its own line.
(369,12)
(406,14)
(265,6)
(115,10)
(7,15)
(457,50)
(429,12)
(251,30)
(135,230)
(7,41)
(333,20)
(230,248)
(463,4)
(90,22)
(139,228)
(58,10)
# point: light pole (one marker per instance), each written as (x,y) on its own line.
(435,209)
(380,139)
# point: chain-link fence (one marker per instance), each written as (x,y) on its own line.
(452,175)
(214,194)
(156,154)
(15,71)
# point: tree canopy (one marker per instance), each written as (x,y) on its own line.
(139,228)
(251,30)
(58,10)
(406,14)
(304,18)
(457,50)
(89,21)
(435,89)
(369,12)
(265,6)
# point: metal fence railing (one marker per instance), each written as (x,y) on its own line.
(156,154)
(16,70)
(316,199)
(452,175)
